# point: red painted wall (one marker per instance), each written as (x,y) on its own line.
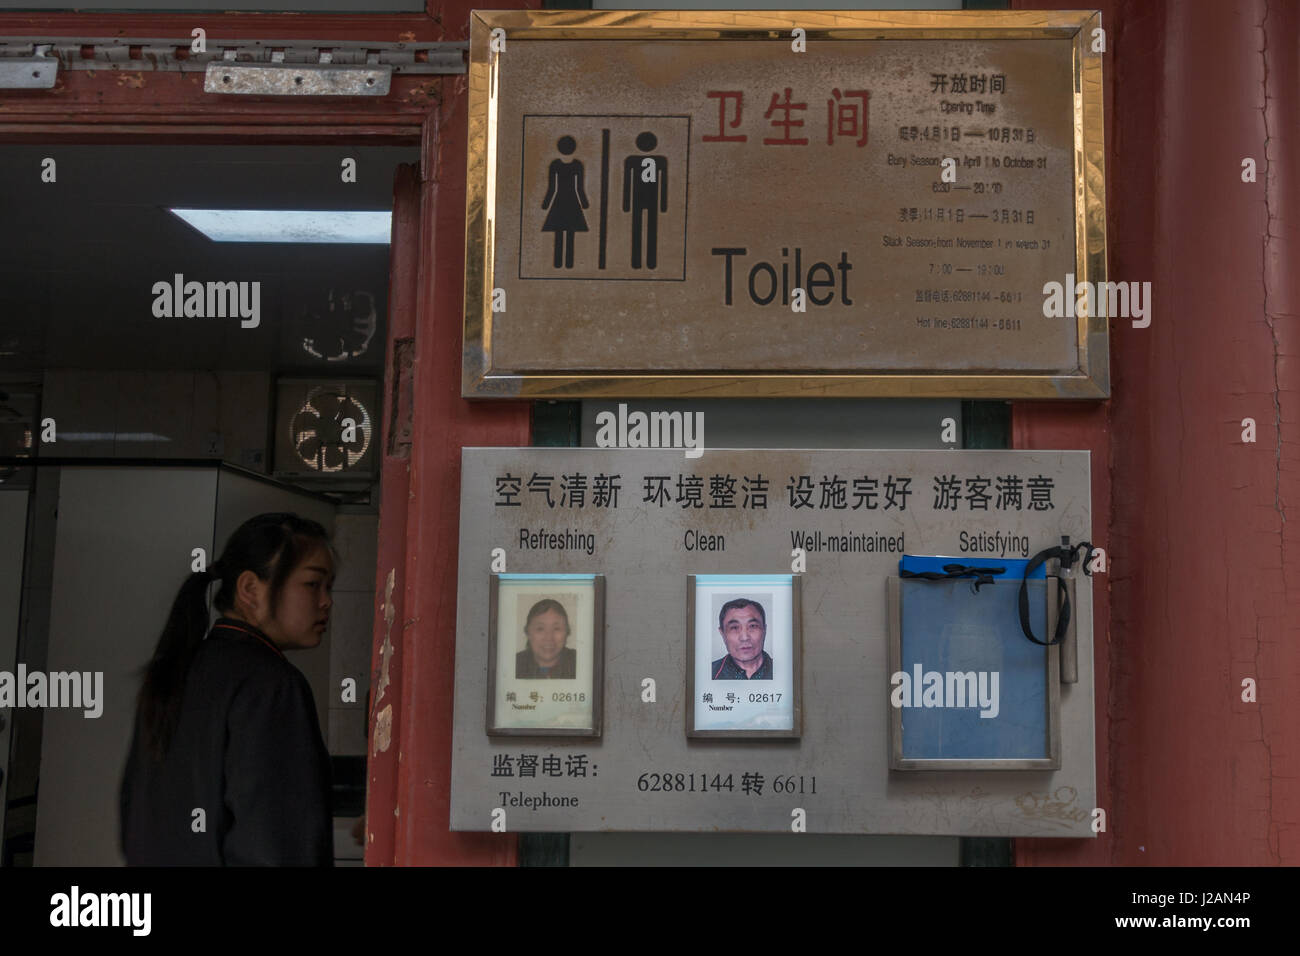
(1199,594)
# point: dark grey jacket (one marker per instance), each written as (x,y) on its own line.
(566,668)
(247,750)
(726,668)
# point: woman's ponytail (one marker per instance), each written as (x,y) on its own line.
(164,680)
(269,545)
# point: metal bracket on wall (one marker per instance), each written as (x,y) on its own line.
(265,67)
(33,69)
(312,79)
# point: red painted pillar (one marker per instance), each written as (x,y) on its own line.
(409,767)
(1195,520)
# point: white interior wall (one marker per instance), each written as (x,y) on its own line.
(356,541)
(13,539)
(122,549)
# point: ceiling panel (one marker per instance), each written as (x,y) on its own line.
(79,258)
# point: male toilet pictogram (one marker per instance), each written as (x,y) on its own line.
(645,195)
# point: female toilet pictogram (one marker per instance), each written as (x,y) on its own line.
(565,199)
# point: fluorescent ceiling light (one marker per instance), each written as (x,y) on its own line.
(110,436)
(290,225)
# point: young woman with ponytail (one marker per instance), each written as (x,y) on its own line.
(224,723)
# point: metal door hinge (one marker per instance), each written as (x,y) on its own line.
(263,67)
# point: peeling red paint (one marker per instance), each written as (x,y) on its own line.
(386,647)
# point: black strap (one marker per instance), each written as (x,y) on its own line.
(1066,555)
(981,575)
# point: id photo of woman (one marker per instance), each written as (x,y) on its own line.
(546,654)
(547,630)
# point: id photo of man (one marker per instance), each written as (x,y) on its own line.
(742,623)
(744,628)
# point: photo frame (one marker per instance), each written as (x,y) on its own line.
(546,655)
(957,631)
(746,681)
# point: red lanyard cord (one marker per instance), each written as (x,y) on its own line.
(257,634)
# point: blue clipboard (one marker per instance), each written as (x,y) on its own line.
(1015,567)
(994,700)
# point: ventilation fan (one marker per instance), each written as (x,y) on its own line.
(344,329)
(326,429)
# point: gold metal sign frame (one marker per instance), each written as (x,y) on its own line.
(526,337)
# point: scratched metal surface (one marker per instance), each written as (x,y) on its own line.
(845,682)
(827,201)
